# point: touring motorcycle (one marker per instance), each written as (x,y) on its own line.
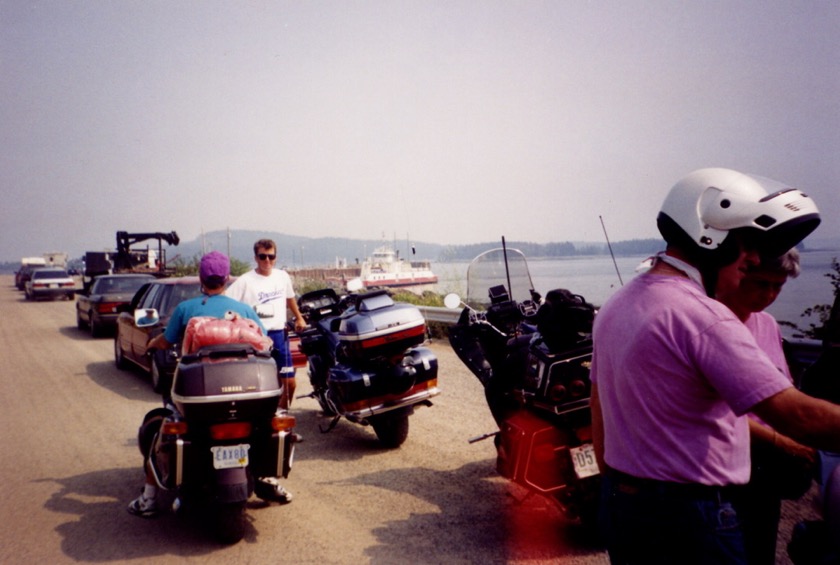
(366,360)
(220,428)
(532,356)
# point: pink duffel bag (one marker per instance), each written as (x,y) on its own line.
(205,330)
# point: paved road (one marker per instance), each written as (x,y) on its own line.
(70,464)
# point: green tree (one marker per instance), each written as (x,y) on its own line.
(821,311)
(189,267)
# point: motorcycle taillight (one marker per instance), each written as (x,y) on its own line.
(230,430)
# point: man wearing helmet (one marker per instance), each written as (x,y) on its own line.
(669,405)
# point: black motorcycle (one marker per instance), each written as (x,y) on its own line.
(366,360)
(532,357)
(219,431)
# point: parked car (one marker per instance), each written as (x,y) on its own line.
(130,341)
(25,273)
(98,308)
(49,282)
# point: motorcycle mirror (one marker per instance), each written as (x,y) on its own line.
(452,301)
(354,285)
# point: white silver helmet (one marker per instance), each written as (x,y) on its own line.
(706,205)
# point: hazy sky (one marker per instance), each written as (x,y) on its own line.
(447,122)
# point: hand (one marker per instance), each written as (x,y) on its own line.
(300,324)
(154,343)
(796,449)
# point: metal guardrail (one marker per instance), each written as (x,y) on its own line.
(440,314)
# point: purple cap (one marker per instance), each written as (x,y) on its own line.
(214,265)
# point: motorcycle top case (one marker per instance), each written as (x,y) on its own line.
(379,327)
(224,382)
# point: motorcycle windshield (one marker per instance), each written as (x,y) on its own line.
(488,270)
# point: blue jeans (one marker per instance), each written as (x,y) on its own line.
(649,522)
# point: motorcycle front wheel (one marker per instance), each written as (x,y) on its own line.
(391,427)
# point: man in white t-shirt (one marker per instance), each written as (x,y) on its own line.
(269,291)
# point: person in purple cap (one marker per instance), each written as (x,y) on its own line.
(214,272)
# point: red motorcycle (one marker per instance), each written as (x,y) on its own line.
(532,357)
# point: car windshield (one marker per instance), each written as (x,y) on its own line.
(118,285)
(50,274)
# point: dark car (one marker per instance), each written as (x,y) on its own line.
(23,274)
(130,342)
(50,282)
(98,307)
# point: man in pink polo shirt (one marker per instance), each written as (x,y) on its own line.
(675,372)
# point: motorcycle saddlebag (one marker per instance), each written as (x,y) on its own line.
(355,389)
(535,454)
(222,380)
(379,327)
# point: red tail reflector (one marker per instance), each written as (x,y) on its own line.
(107,307)
(230,430)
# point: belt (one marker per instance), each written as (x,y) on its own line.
(628,484)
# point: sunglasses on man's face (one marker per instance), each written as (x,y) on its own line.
(264,256)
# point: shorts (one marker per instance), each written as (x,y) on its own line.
(282,354)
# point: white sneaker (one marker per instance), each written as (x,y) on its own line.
(143,507)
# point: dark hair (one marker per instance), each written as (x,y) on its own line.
(264,244)
(213,282)
(707,261)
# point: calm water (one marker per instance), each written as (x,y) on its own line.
(595,278)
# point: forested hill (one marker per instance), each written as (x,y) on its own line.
(297,251)
(555,249)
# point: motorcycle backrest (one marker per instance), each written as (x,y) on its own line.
(564,319)
(373,300)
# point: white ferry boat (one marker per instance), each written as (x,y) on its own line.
(386,269)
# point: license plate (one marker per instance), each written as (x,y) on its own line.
(583,459)
(230,456)
(53,285)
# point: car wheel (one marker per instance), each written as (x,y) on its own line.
(95,328)
(79,322)
(119,357)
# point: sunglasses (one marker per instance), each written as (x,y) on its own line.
(264,256)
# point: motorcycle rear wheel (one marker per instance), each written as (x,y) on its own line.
(227,522)
(391,427)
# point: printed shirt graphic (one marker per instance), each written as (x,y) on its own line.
(266,294)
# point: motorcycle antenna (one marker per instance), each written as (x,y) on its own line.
(507,269)
(603,227)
